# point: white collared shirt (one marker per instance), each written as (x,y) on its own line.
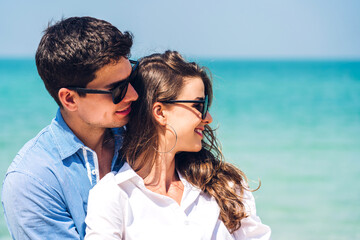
(121,207)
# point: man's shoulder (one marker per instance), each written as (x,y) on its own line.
(38,151)
(48,148)
(40,161)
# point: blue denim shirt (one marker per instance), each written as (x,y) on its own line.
(46,188)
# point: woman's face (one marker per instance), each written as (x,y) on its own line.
(186,119)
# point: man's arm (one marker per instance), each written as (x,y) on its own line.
(35,210)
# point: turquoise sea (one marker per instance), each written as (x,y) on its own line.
(295,125)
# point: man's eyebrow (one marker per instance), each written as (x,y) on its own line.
(114,84)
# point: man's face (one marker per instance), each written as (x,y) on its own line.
(98,110)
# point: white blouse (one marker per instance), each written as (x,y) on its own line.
(121,207)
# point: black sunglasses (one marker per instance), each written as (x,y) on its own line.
(118,92)
(203,108)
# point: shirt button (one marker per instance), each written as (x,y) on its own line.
(93,172)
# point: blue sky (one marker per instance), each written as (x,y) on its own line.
(294,29)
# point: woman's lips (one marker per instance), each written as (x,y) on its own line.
(199,131)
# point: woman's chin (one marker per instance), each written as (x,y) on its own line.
(197,148)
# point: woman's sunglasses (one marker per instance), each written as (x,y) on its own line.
(203,107)
(118,92)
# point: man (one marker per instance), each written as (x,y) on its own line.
(84,64)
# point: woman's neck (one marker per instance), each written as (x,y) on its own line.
(162,177)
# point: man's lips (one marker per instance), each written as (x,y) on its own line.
(126,111)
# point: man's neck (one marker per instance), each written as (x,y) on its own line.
(98,139)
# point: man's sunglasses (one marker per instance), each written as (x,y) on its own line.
(118,92)
(203,106)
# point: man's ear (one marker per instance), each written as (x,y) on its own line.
(68,99)
(159,112)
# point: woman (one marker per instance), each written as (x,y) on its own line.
(174,183)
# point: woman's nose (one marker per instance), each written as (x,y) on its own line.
(208,118)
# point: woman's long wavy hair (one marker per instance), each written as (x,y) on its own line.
(161,77)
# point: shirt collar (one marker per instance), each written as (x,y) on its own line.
(67,142)
(190,194)
(126,173)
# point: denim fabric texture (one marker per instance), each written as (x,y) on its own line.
(45,190)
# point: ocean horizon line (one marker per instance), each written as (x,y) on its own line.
(224,59)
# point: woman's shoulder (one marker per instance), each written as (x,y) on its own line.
(105,208)
(105,188)
(106,182)
(116,184)
(251,226)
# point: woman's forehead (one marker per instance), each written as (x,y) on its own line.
(193,88)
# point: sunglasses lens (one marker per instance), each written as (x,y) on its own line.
(205,108)
(119,92)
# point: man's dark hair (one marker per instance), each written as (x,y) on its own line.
(73,49)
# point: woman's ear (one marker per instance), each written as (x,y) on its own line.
(68,99)
(159,113)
